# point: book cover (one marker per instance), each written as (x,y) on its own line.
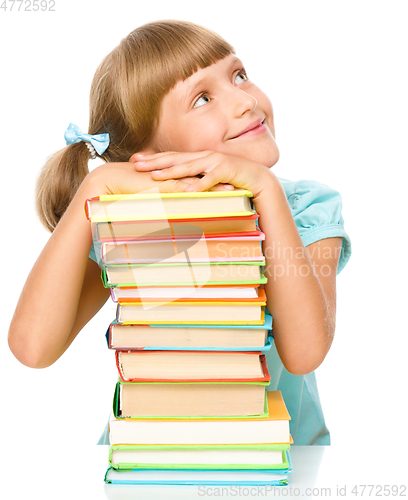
(190,400)
(129,294)
(259,299)
(177,228)
(238,456)
(202,311)
(266,347)
(142,206)
(190,337)
(222,248)
(188,362)
(202,314)
(216,477)
(272,428)
(183,274)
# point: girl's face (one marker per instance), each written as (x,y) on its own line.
(218,109)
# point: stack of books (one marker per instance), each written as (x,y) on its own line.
(190,405)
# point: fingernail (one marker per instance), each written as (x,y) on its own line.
(139,155)
(228,186)
(190,188)
(157,172)
(140,162)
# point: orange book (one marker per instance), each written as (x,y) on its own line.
(259,299)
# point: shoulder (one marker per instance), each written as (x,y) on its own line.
(317,211)
(303,193)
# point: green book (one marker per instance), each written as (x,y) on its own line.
(231,456)
(190,400)
(184,274)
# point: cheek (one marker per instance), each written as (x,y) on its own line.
(265,105)
(169,138)
(199,137)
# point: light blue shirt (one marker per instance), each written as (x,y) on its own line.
(316,209)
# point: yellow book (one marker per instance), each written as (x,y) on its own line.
(162,206)
(176,313)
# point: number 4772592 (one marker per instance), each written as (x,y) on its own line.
(28,5)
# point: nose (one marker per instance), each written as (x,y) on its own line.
(243,102)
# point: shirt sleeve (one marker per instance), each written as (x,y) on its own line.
(316,209)
(95,252)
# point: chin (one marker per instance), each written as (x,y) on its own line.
(268,158)
(273,159)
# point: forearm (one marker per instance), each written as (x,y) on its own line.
(303,313)
(64,290)
(301,318)
(47,308)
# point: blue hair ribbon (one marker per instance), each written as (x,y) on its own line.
(74,134)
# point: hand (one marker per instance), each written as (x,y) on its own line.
(215,168)
(121,178)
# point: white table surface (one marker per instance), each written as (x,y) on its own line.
(53,472)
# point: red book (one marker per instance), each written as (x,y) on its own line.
(191,366)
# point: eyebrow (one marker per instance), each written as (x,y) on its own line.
(190,93)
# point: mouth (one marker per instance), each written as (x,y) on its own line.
(256,127)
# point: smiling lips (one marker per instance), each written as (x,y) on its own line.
(254,128)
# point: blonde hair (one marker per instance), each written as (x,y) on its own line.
(125,98)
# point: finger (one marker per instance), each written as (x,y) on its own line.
(160,161)
(217,187)
(170,186)
(148,155)
(222,187)
(195,167)
(188,180)
(141,154)
(188,169)
(174,174)
(173,186)
(209,180)
(181,185)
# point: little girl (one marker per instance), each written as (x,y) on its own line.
(179,113)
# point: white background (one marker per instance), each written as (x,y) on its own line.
(336,73)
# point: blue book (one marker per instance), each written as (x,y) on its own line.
(254,477)
(195,337)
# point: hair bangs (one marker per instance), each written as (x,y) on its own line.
(179,50)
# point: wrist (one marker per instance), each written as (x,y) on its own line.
(269,185)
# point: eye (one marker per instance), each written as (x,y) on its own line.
(203,99)
(241,77)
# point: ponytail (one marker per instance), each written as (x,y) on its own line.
(58,182)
